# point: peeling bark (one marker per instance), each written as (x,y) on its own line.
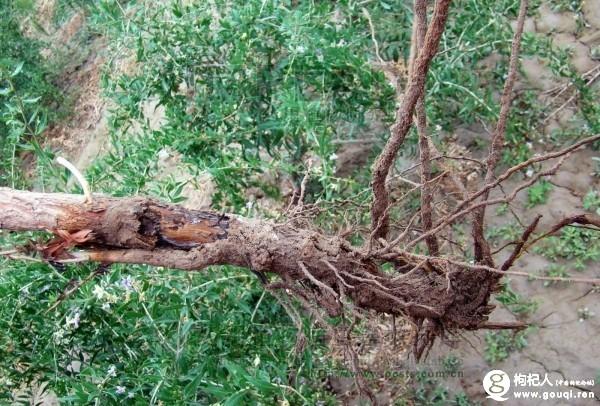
(145,231)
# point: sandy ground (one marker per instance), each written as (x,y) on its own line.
(563,347)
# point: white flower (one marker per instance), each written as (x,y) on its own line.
(73,320)
(99,292)
(119,390)
(106,306)
(249,204)
(131,395)
(127,283)
(529,145)
(300,49)
(529,173)
(58,335)
(163,155)
(333,157)
(438,127)
(112,371)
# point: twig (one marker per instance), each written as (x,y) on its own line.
(459,210)
(404,114)
(570,99)
(74,286)
(358,278)
(402,235)
(420,29)
(337,274)
(303,185)
(80,178)
(373,38)
(579,219)
(503,325)
(316,281)
(437,157)
(413,270)
(517,251)
(517,273)
(482,251)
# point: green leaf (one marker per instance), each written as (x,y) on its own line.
(32,100)
(236,399)
(18,69)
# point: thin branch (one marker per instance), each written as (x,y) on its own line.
(317,282)
(504,325)
(437,157)
(481,247)
(518,249)
(450,219)
(570,99)
(420,29)
(74,286)
(515,273)
(373,38)
(404,115)
(584,219)
(459,210)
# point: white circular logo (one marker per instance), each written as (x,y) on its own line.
(496,383)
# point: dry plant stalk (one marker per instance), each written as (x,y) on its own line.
(481,247)
(404,118)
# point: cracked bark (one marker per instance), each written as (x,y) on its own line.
(144,231)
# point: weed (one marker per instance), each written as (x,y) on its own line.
(568,5)
(591,201)
(500,344)
(596,172)
(506,232)
(583,313)
(574,243)
(538,193)
(514,301)
(26,95)
(431,391)
(556,271)
(502,209)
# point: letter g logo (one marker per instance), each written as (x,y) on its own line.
(496,383)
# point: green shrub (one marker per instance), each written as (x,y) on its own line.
(26,92)
(251,86)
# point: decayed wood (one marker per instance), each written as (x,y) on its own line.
(144,231)
(127,223)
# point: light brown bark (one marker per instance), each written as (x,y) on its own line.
(145,231)
(404,119)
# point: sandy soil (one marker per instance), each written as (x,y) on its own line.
(564,346)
